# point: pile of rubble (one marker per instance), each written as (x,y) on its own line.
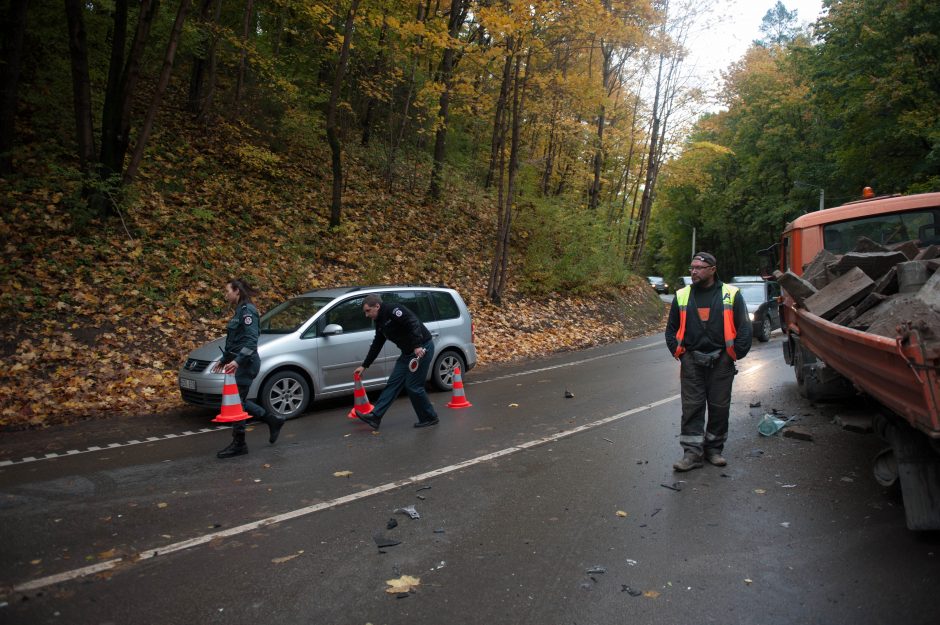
(873,288)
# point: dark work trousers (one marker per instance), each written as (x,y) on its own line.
(413,383)
(705,387)
(250,407)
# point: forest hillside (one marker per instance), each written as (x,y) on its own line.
(100,313)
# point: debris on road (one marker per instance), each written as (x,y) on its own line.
(284,559)
(755,404)
(797,432)
(770,425)
(402,585)
(676,486)
(342,473)
(439,530)
(410,511)
(630,591)
(621,513)
(423,488)
(859,423)
(596,570)
(392,524)
(383,541)
(568,394)
(755,453)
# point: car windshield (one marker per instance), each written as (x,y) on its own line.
(752,292)
(655,280)
(288,316)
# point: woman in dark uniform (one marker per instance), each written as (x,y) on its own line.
(240,358)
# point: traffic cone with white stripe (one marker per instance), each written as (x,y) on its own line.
(231,403)
(361,405)
(459,399)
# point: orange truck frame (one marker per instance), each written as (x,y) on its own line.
(902,374)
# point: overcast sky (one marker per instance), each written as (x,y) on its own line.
(714,48)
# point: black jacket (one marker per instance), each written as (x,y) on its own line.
(399,325)
(241,343)
(707,337)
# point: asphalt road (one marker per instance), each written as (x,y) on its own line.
(533,508)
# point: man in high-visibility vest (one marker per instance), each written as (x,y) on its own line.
(708,330)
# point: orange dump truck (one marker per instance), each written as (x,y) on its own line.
(900,372)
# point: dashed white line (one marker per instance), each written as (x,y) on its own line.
(147,554)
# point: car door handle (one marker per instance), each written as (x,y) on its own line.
(434,335)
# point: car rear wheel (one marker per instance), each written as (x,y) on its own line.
(442,374)
(285,394)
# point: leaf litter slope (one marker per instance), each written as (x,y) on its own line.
(98,322)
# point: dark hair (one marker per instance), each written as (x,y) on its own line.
(372,299)
(245,292)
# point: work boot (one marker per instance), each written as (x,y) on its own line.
(424,424)
(369,419)
(689,461)
(236,448)
(716,459)
(274,426)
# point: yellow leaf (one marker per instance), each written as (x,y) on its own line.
(342,473)
(162,505)
(621,513)
(405,583)
(652,594)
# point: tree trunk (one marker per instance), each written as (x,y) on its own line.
(205,103)
(197,77)
(332,130)
(594,195)
(457,15)
(243,61)
(646,203)
(500,267)
(162,83)
(9,79)
(499,132)
(122,85)
(377,68)
(81,83)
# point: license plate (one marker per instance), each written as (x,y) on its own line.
(188,384)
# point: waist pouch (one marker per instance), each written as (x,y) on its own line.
(706,359)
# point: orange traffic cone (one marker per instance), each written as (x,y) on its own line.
(459,400)
(361,405)
(231,403)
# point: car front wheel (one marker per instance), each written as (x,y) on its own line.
(285,394)
(442,374)
(765,329)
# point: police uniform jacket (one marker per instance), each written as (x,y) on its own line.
(241,343)
(399,325)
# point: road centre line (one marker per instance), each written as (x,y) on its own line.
(561,365)
(152,439)
(148,554)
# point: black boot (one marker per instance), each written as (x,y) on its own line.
(274,426)
(236,448)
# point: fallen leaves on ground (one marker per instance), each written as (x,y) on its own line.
(405,583)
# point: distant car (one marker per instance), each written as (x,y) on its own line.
(658,283)
(310,345)
(747,279)
(761,299)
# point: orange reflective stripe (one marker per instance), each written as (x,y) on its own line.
(682,301)
(727,301)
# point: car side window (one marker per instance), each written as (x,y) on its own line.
(416,301)
(446,306)
(347,314)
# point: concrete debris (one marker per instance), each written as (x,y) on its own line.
(859,423)
(878,289)
(797,432)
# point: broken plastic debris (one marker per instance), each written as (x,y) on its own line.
(596,570)
(342,473)
(748,581)
(439,530)
(631,591)
(631,562)
(568,394)
(676,486)
(770,425)
(785,524)
(755,403)
(513,405)
(621,513)
(759,491)
(410,511)
(392,524)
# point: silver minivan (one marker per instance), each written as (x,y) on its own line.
(311,344)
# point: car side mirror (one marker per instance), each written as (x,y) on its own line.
(332,329)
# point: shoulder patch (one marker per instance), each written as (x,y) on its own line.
(398,312)
(247,320)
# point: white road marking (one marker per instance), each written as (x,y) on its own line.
(148,554)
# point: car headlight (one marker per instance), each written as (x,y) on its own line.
(750,316)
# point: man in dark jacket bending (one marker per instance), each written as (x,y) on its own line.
(402,327)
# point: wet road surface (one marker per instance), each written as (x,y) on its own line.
(533,508)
